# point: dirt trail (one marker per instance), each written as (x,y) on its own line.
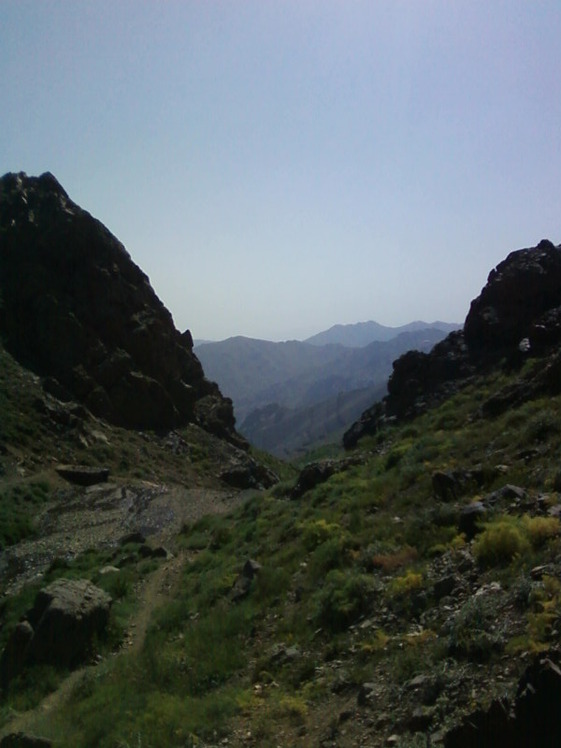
(157,589)
(174,506)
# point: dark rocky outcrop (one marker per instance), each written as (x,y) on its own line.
(59,629)
(78,311)
(517,314)
(315,473)
(22,740)
(449,485)
(247,473)
(82,475)
(533,719)
(516,302)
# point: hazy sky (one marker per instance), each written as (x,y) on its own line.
(280,166)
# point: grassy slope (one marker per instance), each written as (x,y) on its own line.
(347,595)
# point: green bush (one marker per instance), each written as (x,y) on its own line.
(541,529)
(471,635)
(500,543)
(344,597)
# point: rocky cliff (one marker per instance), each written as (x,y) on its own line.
(516,316)
(76,309)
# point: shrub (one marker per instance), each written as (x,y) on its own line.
(318,531)
(389,562)
(411,581)
(541,529)
(343,598)
(541,426)
(471,634)
(500,542)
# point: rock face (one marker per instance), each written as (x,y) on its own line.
(21,740)
(59,629)
(519,292)
(78,311)
(517,314)
(315,473)
(533,719)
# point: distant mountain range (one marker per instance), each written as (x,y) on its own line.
(363,333)
(289,397)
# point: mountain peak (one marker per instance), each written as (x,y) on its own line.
(79,312)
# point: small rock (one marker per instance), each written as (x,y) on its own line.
(470,518)
(108,570)
(366,694)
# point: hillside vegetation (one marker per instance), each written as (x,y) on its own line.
(374,608)
(165,584)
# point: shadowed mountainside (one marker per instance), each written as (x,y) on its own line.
(516,316)
(78,311)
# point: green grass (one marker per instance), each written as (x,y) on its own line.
(19,504)
(365,544)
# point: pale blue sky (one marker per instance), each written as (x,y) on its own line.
(279,167)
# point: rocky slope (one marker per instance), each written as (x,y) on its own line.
(517,316)
(77,310)
(405,595)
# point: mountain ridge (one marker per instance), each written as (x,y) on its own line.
(362,333)
(296,377)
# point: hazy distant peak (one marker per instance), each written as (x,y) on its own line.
(361,334)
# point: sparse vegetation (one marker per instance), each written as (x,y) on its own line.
(349,590)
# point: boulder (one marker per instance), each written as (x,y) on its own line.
(83,475)
(449,485)
(60,627)
(244,472)
(244,580)
(315,473)
(471,517)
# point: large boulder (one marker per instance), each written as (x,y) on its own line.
(59,629)
(315,473)
(79,312)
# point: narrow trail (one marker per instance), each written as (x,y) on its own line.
(164,513)
(157,589)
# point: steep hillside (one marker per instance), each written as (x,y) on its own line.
(79,313)
(363,333)
(406,594)
(516,317)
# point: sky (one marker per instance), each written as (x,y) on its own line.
(280,166)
